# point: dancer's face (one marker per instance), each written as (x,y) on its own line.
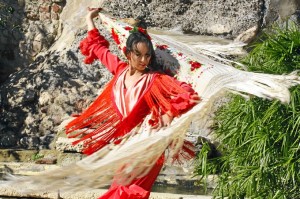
(140,57)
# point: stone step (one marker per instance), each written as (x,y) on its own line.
(94,193)
(32,156)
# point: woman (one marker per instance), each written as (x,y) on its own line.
(138,89)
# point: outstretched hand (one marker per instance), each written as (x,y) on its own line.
(163,121)
(93,12)
(166,119)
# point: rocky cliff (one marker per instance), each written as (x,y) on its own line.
(43,79)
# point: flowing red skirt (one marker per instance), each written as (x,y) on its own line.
(138,189)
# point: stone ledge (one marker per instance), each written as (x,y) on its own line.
(32,156)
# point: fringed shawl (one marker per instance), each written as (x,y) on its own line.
(101,123)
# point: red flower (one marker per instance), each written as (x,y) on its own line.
(194,65)
(115,36)
(180,54)
(138,29)
(142,30)
(162,47)
(128,28)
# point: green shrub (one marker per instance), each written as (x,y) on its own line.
(260,139)
(276,51)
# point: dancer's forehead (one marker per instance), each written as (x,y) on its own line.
(141,47)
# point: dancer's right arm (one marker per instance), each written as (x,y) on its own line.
(93,13)
(95,46)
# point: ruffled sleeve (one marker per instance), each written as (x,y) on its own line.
(95,46)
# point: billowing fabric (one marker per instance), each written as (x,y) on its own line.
(118,110)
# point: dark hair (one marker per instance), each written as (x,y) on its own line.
(139,37)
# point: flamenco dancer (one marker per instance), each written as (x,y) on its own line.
(139,88)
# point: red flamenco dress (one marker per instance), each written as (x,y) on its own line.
(117,110)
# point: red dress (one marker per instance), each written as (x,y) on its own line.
(118,110)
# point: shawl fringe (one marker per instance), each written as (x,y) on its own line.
(160,98)
(100,117)
(163,91)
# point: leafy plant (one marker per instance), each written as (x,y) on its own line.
(260,139)
(276,51)
(37,156)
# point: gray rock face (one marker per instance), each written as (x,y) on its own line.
(228,18)
(52,83)
(39,97)
(10,36)
(27,28)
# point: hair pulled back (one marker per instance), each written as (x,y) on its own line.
(139,37)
